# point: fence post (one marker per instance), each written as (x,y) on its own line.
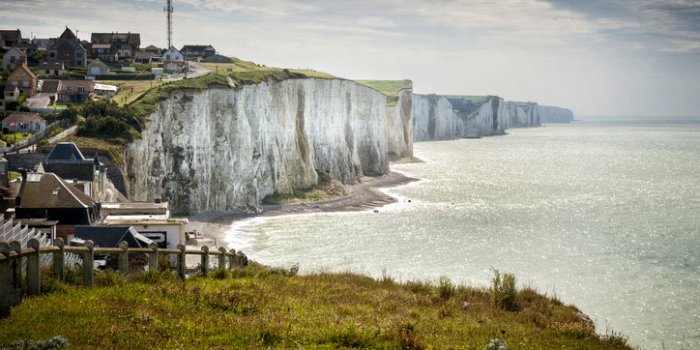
(242,259)
(6,283)
(16,266)
(124,258)
(59,260)
(205,261)
(153,257)
(181,261)
(88,264)
(232,259)
(33,273)
(222,258)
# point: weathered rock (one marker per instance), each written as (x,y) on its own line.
(220,148)
(451,117)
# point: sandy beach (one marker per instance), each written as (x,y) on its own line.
(363,196)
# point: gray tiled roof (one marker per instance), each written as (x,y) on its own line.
(47,191)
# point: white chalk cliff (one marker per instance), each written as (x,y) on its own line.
(555,114)
(222,148)
(450,117)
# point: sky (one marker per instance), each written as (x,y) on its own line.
(624,57)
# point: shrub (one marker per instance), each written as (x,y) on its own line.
(220,274)
(445,288)
(503,292)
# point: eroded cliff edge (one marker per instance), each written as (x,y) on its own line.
(438,117)
(221,148)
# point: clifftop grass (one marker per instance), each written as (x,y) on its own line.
(263,309)
(390,88)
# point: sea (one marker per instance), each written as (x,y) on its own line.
(602,213)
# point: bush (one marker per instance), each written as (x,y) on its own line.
(220,274)
(503,292)
(70,114)
(445,288)
(107,119)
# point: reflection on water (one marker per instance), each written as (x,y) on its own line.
(606,216)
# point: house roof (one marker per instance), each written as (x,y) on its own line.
(68,34)
(25,69)
(79,170)
(153,48)
(50,86)
(196,47)
(143,55)
(68,86)
(23,117)
(48,191)
(105,38)
(17,50)
(111,236)
(64,152)
(12,35)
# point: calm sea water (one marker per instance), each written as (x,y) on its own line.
(604,215)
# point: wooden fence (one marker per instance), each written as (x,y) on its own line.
(11,255)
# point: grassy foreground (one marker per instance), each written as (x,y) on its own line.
(258,308)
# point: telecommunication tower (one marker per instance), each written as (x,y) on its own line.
(169,11)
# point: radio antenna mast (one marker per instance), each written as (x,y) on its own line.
(169,11)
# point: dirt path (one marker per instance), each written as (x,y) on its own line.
(363,196)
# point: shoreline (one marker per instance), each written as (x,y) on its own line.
(365,195)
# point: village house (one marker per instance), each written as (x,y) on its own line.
(10,38)
(23,79)
(24,122)
(217,59)
(66,161)
(46,196)
(124,45)
(51,69)
(173,55)
(67,49)
(50,88)
(110,236)
(143,57)
(13,58)
(164,231)
(197,51)
(75,91)
(10,94)
(97,67)
(154,50)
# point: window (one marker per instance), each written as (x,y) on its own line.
(81,89)
(15,83)
(25,84)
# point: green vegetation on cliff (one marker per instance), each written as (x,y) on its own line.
(390,88)
(258,308)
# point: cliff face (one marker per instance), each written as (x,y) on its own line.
(399,126)
(450,117)
(220,148)
(555,114)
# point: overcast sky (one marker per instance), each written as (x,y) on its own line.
(625,57)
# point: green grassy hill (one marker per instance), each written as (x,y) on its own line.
(259,308)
